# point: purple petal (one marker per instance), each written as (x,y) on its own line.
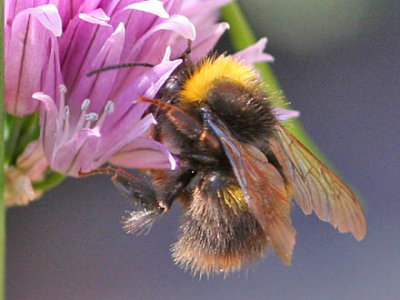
(81,42)
(48,16)
(100,86)
(136,24)
(173,6)
(69,9)
(47,102)
(23,74)
(111,144)
(177,24)
(71,157)
(191,8)
(161,73)
(152,6)
(84,6)
(95,17)
(52,77)
(204,12)
(146,85)
(66,8)
(49,123)
(180,25)
(144,153)
(283,114)
(254,53)
(207,40)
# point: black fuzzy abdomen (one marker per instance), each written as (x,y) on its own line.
(218,232)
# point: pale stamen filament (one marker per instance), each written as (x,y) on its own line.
(108,109)
(84,107)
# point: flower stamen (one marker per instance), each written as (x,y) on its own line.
(63,90)
(84,107)
(85,104)
(108,109)
(66,115)
(90,117)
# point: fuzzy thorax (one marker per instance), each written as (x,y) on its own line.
(212,70)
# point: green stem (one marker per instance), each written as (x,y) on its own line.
(2,204)
(30,132)
(14,125)
(20,132)
(51,180)
(242,36)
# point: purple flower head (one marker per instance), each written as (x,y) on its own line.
(48,44)
(87,121)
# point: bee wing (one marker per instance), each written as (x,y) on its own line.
(318,189)
(263,188)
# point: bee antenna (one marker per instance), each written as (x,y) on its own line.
(119,66)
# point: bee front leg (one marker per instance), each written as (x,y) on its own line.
(134,185)
(140,188)
(182,121)
(185,123)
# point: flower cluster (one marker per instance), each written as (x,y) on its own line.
(86,121)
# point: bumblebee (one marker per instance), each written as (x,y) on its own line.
(238,171)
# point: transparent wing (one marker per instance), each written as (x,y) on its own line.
(318,189)
(263,188)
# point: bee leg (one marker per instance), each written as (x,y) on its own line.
(135,185)
(177,185)
(140,188)
(141,220)
(184,122)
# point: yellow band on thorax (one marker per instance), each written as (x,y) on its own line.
(197,87)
